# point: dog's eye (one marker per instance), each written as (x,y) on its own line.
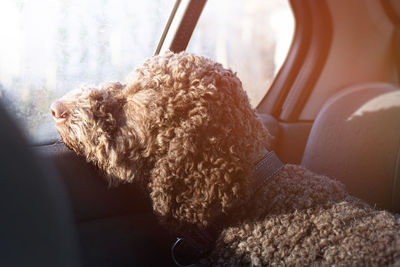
(99,98)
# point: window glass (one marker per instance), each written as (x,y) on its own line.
(49,47)
(250,37)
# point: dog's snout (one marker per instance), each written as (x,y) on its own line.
(59,111)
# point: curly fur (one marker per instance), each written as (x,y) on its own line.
(183,125)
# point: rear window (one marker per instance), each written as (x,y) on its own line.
(51,47)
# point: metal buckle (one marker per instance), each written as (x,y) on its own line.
(174,246)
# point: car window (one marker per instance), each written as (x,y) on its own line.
(50,47)
(250,37)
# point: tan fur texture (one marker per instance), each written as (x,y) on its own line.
(183,125)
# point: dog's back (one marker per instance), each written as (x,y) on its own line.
(305,219)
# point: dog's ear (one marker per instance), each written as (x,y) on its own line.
(207,149)
(196,180)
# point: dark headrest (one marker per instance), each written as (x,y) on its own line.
(356,139)
(36,224)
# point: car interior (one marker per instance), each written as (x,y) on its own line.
(333,107)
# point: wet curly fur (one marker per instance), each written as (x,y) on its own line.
(183,126)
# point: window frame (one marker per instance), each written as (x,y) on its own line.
(306,58)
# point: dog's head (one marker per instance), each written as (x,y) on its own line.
(183,119)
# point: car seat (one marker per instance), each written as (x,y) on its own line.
(356,139)
(36,226)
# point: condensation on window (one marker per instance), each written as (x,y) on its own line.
(250,37)
(49,47)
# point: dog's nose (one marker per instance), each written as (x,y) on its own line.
(59,111)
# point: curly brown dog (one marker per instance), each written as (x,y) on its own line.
(183,126)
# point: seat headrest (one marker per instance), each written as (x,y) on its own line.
(356,139)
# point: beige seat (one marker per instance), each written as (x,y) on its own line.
(356,139)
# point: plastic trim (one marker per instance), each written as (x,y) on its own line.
(273,100)
(305,61)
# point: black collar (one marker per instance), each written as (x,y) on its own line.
(199,242)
